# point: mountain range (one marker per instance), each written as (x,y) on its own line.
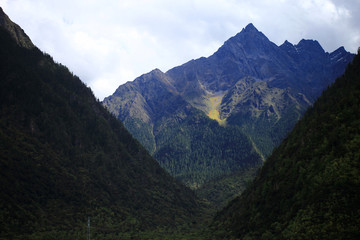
(70,170)
(64,159)
(214,116)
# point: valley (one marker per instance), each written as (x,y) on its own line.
(252,142)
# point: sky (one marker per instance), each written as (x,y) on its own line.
(109,42)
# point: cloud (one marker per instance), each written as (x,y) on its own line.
(107,43)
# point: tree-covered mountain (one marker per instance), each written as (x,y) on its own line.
(192,147)
(255,90)
(64,158)
(309,187)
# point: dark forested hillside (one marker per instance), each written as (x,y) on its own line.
(309,187)
(64,158)
(218,151)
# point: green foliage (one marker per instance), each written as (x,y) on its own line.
(221,190)
(309,186)
(142,132)
(199,149)
(63,158)
(268,132)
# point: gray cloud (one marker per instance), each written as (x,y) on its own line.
(107,43)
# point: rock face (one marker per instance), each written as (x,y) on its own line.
(250,83)
(15,30)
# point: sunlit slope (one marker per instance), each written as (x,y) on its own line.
(214,104)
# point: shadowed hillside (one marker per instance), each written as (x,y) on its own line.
(64,158)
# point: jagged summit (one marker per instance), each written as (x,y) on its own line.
(249,42)
(310,45)
(250,31)
(153,73)
(286,45)
(339,55)
(340,51)
(250,27)
(156,70)
(15,30)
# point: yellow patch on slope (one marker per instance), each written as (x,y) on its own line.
(214,112)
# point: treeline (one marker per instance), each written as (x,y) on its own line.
(206,150)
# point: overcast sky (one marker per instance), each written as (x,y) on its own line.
(109,42)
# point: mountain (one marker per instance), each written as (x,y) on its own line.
(309,187)
(255,90)
(64,158)
(172,129)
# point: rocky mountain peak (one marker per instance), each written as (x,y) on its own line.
(287,45)
(154,77)
(156,71)
(338,53)
(305,51)
(250,33)
(310,46)
(248,43)
(250,28)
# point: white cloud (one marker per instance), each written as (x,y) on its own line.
(107,43)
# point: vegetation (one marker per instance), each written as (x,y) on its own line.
(219,191)
(206,149)
(64,158)
(214,103)
(267,132)
(309,186)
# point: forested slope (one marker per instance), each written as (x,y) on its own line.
(64,158)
